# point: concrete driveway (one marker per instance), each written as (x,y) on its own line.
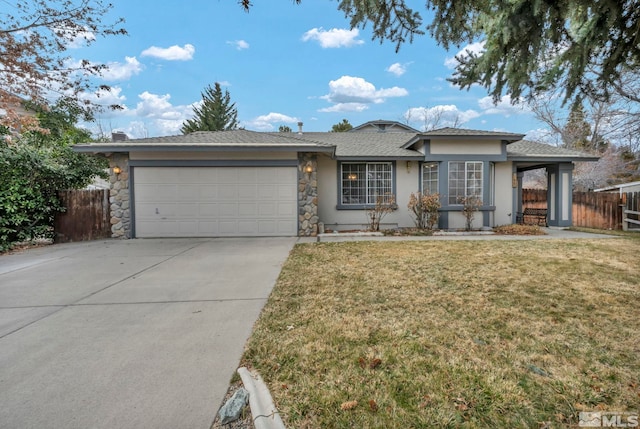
(128,333)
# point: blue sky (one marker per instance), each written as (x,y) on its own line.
(281,63)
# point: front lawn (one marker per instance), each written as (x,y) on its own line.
(477,334)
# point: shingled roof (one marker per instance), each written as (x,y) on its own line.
(205,140)
(360,145)
(462,132)
(366,145)
(525,150)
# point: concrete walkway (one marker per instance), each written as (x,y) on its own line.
(552,233)
(128,333)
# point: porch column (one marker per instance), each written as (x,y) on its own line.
(560,194)
(520,178)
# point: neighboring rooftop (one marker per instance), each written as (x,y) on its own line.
(384,126)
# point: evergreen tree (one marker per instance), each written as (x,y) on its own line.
(284,129)
(577,131)
(217,112)
(341,126)
(583,46)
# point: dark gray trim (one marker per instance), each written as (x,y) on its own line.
(470,157)
(214,163)
(340,206)
(548,159)
(503,149)
(486,218)
(443,220)
(516,193)
(102,148)
(132,202)
(510,138)
(417,157)
(486,182)
(458,208)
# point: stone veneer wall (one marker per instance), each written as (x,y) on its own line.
(119,196)
(307,195)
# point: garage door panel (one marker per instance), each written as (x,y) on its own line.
(208,210)
(215,201)
(248,192)
(208,192)
(286,193)
(228,192)
(286,210)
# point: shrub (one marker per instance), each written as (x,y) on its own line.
(470,205)
(384,205)
(425,209)
(30,176)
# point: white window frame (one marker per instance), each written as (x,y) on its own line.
(433,167)
(369,175)
(471,188)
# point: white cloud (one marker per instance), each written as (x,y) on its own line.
(397,68)
(503,107)
(172,53)
(444,115)
(103,97)
(334,38)
(122,71)
(475,48)
(266,122)
(224,83)
(345,107)
(239,44)
(350,94)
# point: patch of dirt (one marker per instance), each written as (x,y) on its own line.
(244,422)
(21,247)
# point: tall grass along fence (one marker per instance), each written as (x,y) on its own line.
(86,216)
(602,210)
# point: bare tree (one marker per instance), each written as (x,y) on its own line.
(34,38)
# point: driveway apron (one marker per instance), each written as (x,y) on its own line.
(128,333)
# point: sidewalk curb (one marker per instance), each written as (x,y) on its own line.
(264,412)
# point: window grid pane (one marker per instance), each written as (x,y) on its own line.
(353,183)
(378,182)
(456,182)
(362,183)
(465,180)
(430,178)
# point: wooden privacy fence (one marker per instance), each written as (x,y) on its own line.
(86,216)
(602,210)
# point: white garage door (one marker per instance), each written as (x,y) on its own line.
(215,201)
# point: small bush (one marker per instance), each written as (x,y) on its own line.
(385,204)
(425,209)
(470,205)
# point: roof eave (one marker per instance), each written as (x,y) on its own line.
(380,158)
(509,138)
(182,147)
(543,158)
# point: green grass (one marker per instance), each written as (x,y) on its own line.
(501,334)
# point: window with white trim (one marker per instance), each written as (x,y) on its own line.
(430,178)
(465,180)
(363,182)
